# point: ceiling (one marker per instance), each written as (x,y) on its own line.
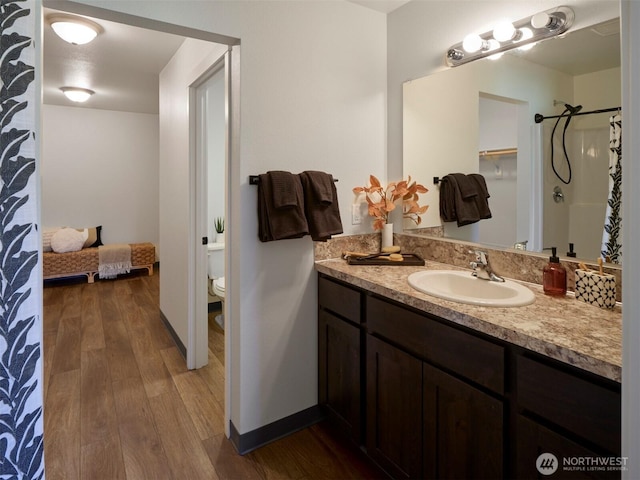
(581,51)
(123,63)
(384,6)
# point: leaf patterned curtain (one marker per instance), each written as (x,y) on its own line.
(612,234)
(21,423)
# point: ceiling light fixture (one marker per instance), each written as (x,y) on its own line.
(76,94)
(506,36)
(75,30)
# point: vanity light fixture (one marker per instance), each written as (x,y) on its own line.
(76,94)
(75,30)
(506,35)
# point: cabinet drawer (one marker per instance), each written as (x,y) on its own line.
(474,358)
(585,408)
(340,299)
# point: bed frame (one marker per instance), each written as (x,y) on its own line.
(85,262)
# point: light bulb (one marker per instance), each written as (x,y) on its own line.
(527,34)
(504,31)
(472,43)
(540,20)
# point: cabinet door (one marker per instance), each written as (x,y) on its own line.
(394,409)
(463,429)
(339,372)
(534,439)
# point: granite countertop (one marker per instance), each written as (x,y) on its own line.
(562,328)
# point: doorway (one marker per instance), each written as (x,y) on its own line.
(182,253)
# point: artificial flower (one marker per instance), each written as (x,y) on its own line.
(382,201)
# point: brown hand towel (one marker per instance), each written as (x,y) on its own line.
(321,209)
(283,189)
(280,223)
(481,199)
(320,185)
(453,207)
(468,188)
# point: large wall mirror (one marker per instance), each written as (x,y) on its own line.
(479,118)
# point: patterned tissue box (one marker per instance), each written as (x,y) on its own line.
(596,289)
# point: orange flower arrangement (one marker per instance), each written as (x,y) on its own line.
(383,200)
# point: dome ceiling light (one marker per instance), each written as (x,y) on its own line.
(75,94)
(75,30)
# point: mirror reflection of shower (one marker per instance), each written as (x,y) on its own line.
(577,155)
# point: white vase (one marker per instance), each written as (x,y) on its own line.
(387,235)
(220,237)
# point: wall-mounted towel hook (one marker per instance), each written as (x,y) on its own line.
(437,180)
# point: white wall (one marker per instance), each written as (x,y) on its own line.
(313,96)
(100,167)
(499,130)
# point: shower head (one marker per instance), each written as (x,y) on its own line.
(572,110)
(568,108)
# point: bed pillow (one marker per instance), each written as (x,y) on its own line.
(47,233)
(67,240)
(93,237)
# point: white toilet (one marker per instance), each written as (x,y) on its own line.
(216,276)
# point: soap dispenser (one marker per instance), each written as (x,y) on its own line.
(554,276)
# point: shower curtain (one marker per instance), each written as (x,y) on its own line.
(612,234)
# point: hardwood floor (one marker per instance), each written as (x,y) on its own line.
(120,403)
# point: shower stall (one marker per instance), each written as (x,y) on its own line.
(575,186)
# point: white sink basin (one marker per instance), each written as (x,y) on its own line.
(462,287)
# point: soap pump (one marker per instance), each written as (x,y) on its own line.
(571,253)
(554,276)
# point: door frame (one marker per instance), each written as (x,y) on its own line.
(197,344)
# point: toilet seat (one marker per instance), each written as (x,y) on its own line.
(219,287)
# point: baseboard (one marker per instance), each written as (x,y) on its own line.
(174,335)
(250,441)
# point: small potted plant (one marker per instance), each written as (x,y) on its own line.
(218,224)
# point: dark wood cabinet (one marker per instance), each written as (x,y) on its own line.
(427,398)
(394,409)
(340,357)
(463,429)
(339,372)
(534,439)
(571,415)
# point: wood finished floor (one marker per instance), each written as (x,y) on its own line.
(120,403)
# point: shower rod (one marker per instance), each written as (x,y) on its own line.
(539,118)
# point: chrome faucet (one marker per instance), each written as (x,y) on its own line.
(521,245)
(482,269)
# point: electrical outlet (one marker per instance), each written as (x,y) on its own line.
(356,216)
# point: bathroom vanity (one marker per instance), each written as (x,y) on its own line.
(435,389)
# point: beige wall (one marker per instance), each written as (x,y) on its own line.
(100,167)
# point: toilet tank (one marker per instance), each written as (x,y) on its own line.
(215,253)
